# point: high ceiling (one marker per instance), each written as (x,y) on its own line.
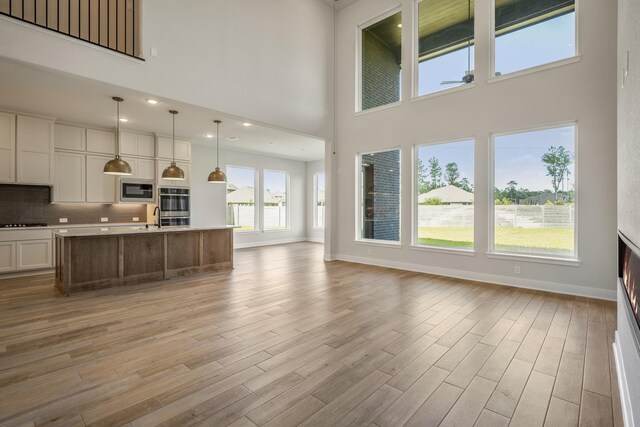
(28,89)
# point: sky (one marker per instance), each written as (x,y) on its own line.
(460,152)
(241,177)
(275,181)
(320,180)
(531,46)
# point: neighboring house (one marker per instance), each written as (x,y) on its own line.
(449,195)
(241,196)
(275,198)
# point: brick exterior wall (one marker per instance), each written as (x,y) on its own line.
(383,222)
(380,73)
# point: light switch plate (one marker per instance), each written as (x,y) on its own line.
(104,219)
(136,219)
(63,220)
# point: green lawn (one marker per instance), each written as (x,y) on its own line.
(528,240)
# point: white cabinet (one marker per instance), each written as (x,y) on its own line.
(34,254)
(100,141)
(70,178)
(142,168)
(182,147)
(7,256)
(70,138)
(101,188)
(161,165)
(34,150)
(7,148)
(134,144)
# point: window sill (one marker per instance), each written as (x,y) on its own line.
(532,70)
(276,230)
(383,243)
(247,231)
(460,88)
(380,108)
(571,262)
(317,228)
(449,251)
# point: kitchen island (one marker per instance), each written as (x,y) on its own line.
(88,260)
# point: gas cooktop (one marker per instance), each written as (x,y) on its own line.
(24,225)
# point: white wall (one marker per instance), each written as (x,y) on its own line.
(583,91)
(313,234)
(212,209)
(266,60)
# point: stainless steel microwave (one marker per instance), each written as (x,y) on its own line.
(137,191)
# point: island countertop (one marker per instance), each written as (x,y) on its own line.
(115,231)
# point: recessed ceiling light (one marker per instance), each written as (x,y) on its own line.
(399,25)
(246,124)
(122,119)
(152,101)
(232,138)
(208,135)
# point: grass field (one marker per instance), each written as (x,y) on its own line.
(529,240)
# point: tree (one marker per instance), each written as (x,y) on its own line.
(557,161)
(433,201)
(435,172)
(511,190)
(423,182)
(451,173)
(465,185)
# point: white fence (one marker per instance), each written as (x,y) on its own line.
(274,216)
(512,216)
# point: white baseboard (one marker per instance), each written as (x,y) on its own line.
(315,239)
(330,257)
(27,273)
(623,387)
(560,288)
(268,243)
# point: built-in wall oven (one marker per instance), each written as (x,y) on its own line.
(175,206)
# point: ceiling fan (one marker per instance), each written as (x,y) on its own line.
(468,75)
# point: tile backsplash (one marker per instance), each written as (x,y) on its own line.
(31,203)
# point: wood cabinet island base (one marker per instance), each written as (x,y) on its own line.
(99,260)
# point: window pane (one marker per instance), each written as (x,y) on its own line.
(275,199)
(532,33)
(380,196)
(319,202)
(381,64)
(445,194)
(241,197)
(534,184)
(445,44)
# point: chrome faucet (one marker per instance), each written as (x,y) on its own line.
(156,210)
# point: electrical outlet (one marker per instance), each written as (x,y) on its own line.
(63,220)
(516,269)
(104,219)
(136,219)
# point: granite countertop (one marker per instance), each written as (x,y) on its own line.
(66,226)
(114,231)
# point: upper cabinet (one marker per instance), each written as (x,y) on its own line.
(70,138)
(70,178)
(136,144)
(165,151)
(100,141)
(34,150)
(7,148)
(100,188)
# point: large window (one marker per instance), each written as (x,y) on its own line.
(319,200)
(445,44)
(534,192)
(379,210)
(380,62)
(241,197)
(276,200)
(444,183)
(532,33)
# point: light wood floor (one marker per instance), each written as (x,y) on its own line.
(286,339)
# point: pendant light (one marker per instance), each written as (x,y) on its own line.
(117,166)
(217,176)
(173,172)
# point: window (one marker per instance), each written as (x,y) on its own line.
(534,193)
(241,197)
(444,183)
(380,63)
(319,200)
(532,33)
(445,47)
(276,193)
(379,212)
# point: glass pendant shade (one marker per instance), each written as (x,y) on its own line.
(217,176)
(173,172)
(117,166)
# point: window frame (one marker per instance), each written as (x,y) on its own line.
(256,214)
(315,200)
(414,200)
(415,63)
(288,206)
(359,28)
(571,260)
(553,64)
(359,202)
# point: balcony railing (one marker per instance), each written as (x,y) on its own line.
(111,24)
